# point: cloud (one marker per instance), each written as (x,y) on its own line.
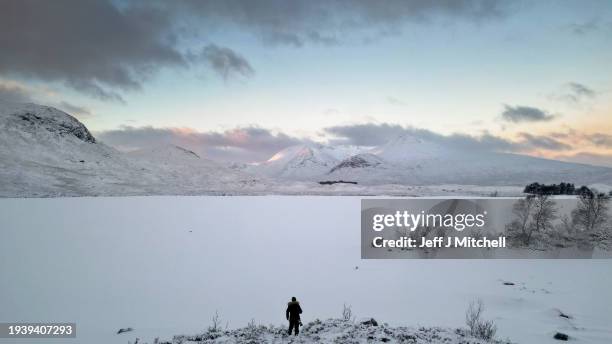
(520,113)
(100,48)
(252,144)
(368,134)
(245,144)
(592,26)
(574,93)
(226,62)
(79,111)
(91,46)
(588,158)
(530,141)
(585,27)
(106,48)
(96,91)
(600,139)
(297,23)
(14,92)
(581,90)
(372,134)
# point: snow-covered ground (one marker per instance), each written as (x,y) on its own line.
(339,331)
(164,265)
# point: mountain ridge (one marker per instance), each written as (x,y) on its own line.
(407,159)
(45,152)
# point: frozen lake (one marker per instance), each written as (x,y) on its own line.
(163,265)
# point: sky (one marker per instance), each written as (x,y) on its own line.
(238,80)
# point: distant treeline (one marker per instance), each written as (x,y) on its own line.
(557,189)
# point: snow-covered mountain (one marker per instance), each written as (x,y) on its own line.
(359,161)
(406,148)
(166,154)
(303,162)
(189,172)
(46,152)
(415,161)
(370,169)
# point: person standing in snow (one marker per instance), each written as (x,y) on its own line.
(293,315)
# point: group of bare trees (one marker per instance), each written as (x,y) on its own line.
(534,216)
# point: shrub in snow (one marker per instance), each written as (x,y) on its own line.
(347,313)
(479,328)
(216,322)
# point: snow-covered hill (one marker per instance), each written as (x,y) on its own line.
(189,173)
(431,163)
(409,160)
(46,152)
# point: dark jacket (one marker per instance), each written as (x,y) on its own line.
(293,311)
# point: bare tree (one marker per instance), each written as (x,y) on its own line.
(534,213)
(566,225)
(591,212)
(544,212)
(523,209)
